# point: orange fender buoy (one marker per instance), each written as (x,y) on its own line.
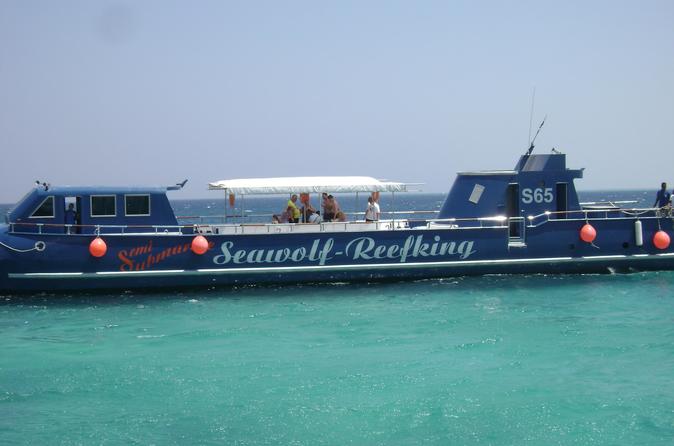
(97,247)
(304,198)
(588,233)
(199,245)
(661,240)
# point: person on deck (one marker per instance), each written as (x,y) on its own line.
(324,201)
(329,208)
(293,210)
(306,211)
(71,217)
(372,212)
(663,197)
(338,209)
(316,217)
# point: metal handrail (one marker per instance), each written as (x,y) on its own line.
(224,218)
(88,230)
(498,221)
(70,229)
(604,214)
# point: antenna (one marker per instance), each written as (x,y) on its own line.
(531,114)
(531,147)
(177,186)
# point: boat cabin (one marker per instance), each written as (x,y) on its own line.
(93,210)
(538,184)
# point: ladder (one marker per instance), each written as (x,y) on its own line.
(516,232)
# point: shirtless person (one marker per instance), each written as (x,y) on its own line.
(330,208)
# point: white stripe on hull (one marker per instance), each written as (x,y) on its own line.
(314,268)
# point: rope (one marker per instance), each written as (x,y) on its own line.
(636,213)
(39,247)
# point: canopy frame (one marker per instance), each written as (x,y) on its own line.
(296,185)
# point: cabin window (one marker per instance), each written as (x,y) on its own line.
(137,205)
(45,210)
(103,206)
(476,194)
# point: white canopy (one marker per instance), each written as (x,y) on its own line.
(288,185)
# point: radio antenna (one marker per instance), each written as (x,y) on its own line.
(531,114)
(531,147)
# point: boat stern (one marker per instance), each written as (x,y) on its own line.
(4,257)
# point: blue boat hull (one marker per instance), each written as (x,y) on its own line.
(167,261)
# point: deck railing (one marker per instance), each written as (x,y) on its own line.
(199,226)
(600,214)
(261,218)
(55,228)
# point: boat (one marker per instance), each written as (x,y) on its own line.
(526,220)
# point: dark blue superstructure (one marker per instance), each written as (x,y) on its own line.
(26,219)
(525,220)
(538,183)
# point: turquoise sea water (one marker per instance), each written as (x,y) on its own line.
(496,360)
(586,360)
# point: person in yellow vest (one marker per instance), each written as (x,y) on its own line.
(293,210)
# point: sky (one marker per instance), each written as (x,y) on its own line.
(153,92)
